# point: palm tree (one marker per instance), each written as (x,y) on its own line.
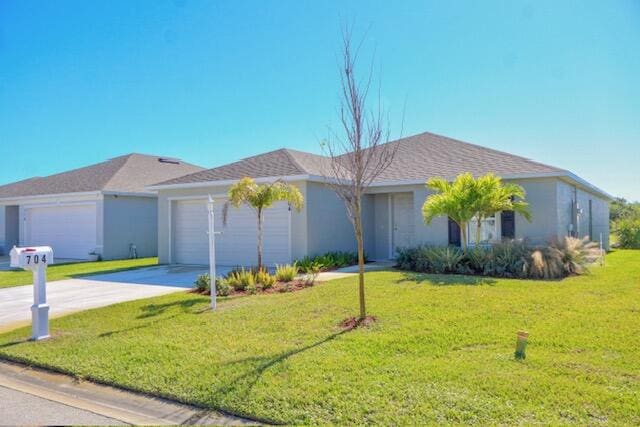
(495,196)
(457,200)
(260,197)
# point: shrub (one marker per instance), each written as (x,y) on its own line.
(287,272)
(311,274)
(577,254)
(203,283)
(241,279)
(264,279)
(507,260)
(328,261)
(513,259)
(407,257)
(444,260)
(545,263)
(628,232)
(478,258)
(223,288)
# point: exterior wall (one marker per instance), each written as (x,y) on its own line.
(328,225)
(12,227)
(437,232)
(298,219)
(3,249)
(129,220)
(542,199)
(583,224)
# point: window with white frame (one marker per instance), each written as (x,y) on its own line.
(488,230)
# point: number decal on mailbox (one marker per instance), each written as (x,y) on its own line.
(44,258)
(28,259)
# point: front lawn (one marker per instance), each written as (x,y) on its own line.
(67,271)
(441,351)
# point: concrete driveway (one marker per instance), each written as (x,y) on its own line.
(71,295)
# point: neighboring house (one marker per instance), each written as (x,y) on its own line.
(103,208)
(561,203)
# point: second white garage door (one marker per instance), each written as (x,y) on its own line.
(70,230)
(236,245)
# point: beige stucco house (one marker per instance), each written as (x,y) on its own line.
(561,202)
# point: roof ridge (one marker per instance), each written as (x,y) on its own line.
(294,160)
(128,159)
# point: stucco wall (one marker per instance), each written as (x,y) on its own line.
(12,227)
(541,196)
(437,232)
(3,246)
(567,195)
(128,220)
(328,225)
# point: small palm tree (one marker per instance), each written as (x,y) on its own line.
(260,197)
(457,200)
(495,196)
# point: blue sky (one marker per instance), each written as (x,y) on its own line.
(212,81)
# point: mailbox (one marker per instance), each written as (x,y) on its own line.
(36,259)
(32,257)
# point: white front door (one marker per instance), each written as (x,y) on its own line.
(402,221)
(69,229)
(237,242)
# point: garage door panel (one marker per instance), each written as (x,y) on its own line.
(69,230)
(190,233)
(237,241)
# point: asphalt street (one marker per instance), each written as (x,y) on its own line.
(18,408)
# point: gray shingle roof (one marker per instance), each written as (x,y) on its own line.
(427,155)
(418,157)
(282,162)
(128,173)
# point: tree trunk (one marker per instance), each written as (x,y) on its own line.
(359,238)
(463,235)
(478,230)
(260,218)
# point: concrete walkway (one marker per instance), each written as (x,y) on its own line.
(84,402)
(352,270)
(71,295)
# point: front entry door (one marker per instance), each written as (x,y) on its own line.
(402,221)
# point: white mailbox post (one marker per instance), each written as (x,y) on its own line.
(36,259)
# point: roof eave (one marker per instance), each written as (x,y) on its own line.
(202,184)
(17,199)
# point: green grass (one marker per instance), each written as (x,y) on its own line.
(12,278)
(441,351)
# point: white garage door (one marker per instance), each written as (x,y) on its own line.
(236,245)
(69,230)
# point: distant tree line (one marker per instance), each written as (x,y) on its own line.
(625,222)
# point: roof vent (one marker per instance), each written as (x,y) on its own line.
(171,160)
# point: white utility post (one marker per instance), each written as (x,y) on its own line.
(36,259)
(212,252)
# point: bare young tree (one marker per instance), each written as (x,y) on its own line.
(358,152)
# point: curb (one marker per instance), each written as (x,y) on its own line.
(125,406)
